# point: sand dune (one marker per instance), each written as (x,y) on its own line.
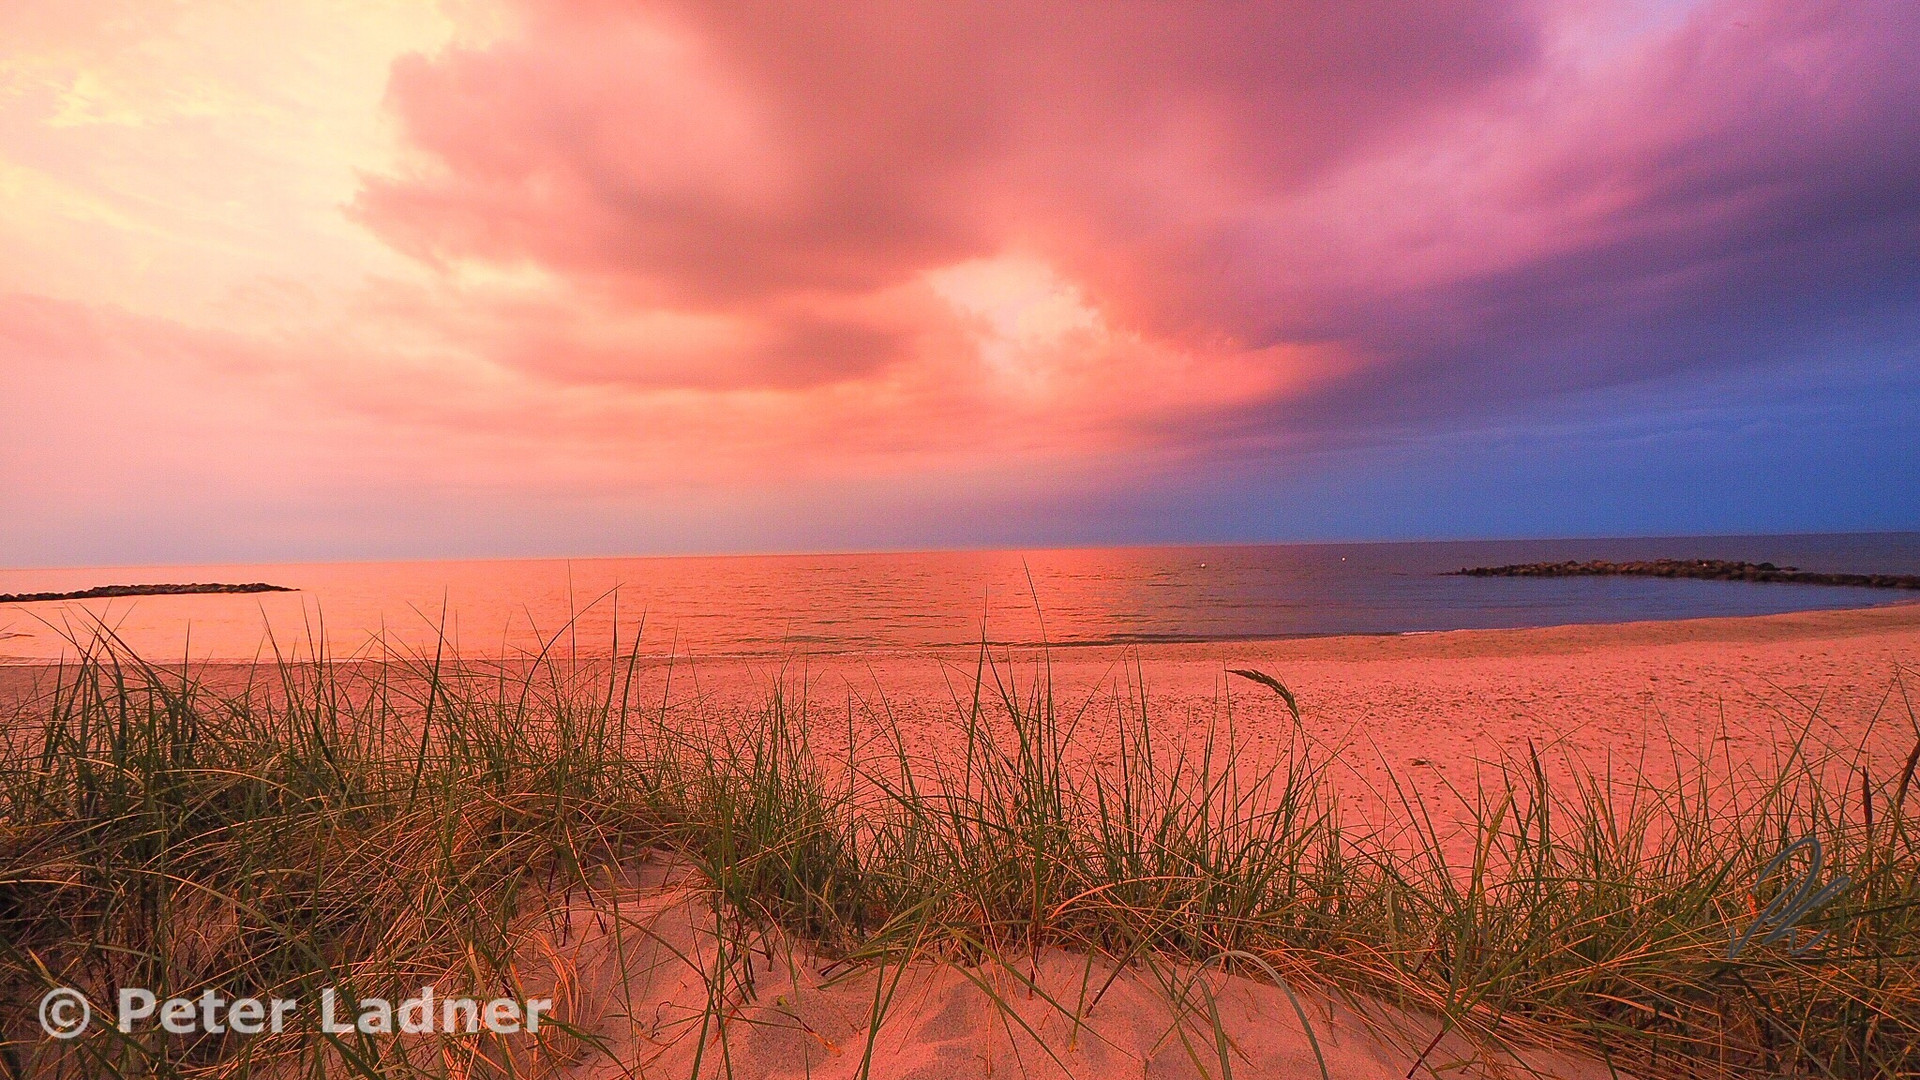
(637,966)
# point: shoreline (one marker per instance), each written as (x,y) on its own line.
(1706,627)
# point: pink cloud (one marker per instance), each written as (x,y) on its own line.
(659,250)
(1382,184)
(799,172)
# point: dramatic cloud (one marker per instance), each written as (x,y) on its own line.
(778,183)
(1490,193)
(684,254)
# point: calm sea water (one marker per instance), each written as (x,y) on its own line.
(775,604)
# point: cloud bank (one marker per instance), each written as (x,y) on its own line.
(687,252)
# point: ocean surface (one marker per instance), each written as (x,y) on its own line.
(903,601)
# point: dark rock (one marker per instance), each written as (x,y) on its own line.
(1707,569)
(109,591)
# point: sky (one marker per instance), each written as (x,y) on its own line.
(370,279)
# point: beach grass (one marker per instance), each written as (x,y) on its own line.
(374,824)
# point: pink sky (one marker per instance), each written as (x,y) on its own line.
(364,277)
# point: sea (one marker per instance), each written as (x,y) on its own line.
(905,601)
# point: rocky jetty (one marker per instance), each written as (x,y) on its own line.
(107,591)
(1706,569)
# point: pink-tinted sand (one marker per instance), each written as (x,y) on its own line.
(1416,709)
(1422,710)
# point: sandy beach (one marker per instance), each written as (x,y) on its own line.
(1406,716)
(1421,707)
